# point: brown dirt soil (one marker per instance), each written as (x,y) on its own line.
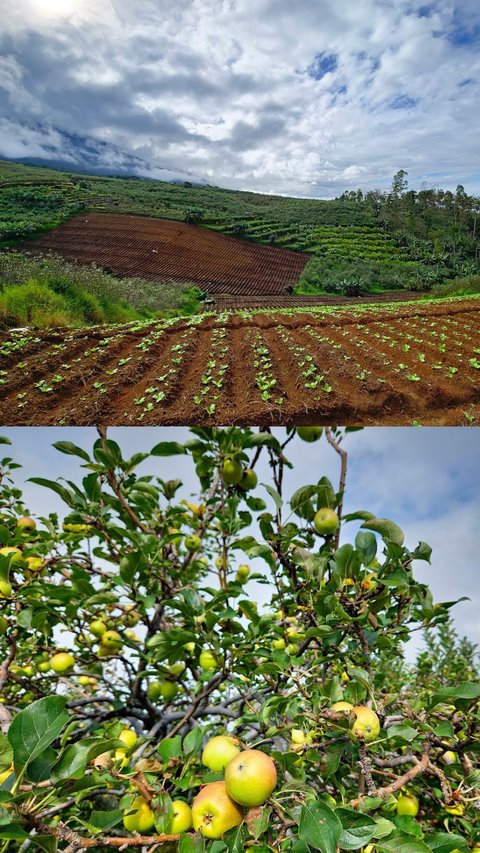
(161,250)
(237,303)
(415,362)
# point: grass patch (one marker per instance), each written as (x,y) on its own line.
(463,286)
(48,291)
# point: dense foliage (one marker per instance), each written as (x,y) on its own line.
(48,291)
(130,635)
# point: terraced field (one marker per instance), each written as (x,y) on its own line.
(417,362)
(160,249)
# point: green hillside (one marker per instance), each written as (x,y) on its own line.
(358,242)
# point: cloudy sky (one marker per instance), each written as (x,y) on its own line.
(305,98)
(424,479)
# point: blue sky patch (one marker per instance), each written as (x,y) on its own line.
(323,63)
(403,102)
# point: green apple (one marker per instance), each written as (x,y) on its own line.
(407,804)
(62,663)
(166,690)
(26,523)
(309,433)
(219,751)
(251,777)
(249,480)
(366,725)
(111,641)
(141,818)
(176,669)
(3,626)
(192,543)
(326,521)
(182,817)
(232,472)
(214,812)
(209,660)
(189,647)
(97,627)
(279,644)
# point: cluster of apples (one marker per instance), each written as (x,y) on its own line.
(32,565)
(250,776)
(234,474)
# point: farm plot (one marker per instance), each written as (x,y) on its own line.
(398,364)
(161,250)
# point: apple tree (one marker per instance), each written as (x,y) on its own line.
(147,701)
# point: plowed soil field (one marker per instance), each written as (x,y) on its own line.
(364,365)
(237,303)
(160,250)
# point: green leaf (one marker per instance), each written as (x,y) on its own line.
(468,690)
(400,842)
(261,439)
(193,741)
(273,494)
(402,730)
(12,831)
(71,449)
(301,502)
(130,564)
(4,440)
(319,827)
(445,842)
(168,448)
(65,495)
(105,820)
(35,728)
(74,759)
(366,543)
(358,829)
(388,530)
(422,552)
(6,754)
(169,748)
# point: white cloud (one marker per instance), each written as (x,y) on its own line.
(233,75)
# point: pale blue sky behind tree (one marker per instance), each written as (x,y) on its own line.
(424,479)
(306,98)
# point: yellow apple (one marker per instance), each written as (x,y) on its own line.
(251,777)
(450,757)
(366,725)
(309,433)
(62,662)
(189,647)
(26,523)
(243,573)
(455,810)
(128,737)
(326,521)
(279,644)
(182,817)
(214,812)
(407,804)
(219,751)
(34,565)
(342,706)
(232,472)
(141,820)
(298,737)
